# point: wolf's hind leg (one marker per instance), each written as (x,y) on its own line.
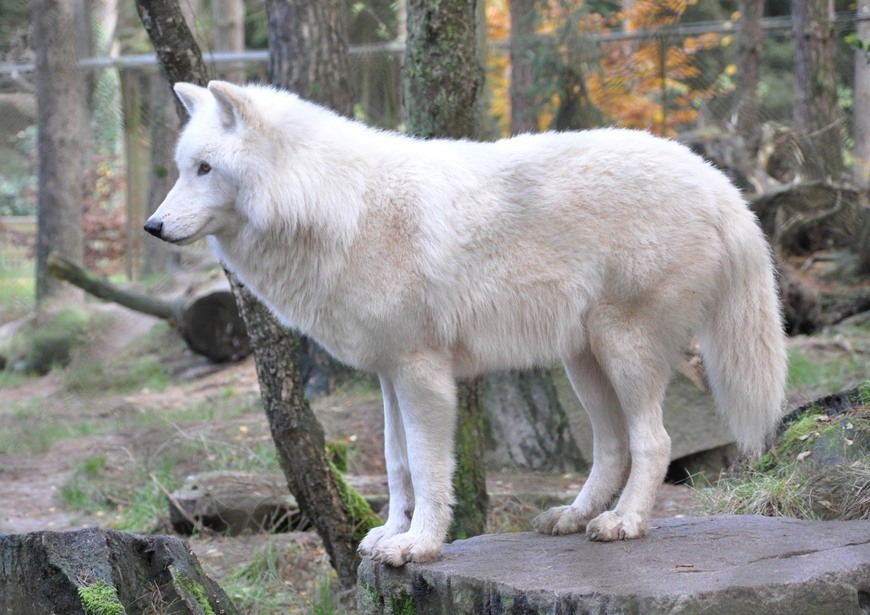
(610,449)
(401,490)
(636,360)
(426,392)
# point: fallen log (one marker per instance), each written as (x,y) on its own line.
(206,315)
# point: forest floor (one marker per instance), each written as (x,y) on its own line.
(102,442)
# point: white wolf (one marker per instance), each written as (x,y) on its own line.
(427,261)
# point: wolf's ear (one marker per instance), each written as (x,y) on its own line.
(191,96)
(233,102)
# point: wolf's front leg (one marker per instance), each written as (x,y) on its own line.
(398,474)
(426,394)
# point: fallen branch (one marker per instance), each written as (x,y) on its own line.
(206,316)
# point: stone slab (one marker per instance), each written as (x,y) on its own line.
(729,565)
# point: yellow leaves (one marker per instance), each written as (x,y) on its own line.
(627,85)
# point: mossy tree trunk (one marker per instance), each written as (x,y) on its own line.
(297,434)
(442,81)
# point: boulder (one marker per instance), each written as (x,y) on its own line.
(104,571)
(722,565)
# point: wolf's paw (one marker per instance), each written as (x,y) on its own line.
(611,525)
(375,535)
(403,548)
(561,520)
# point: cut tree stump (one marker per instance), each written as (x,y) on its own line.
(206,315)
(104,571)
(723,565)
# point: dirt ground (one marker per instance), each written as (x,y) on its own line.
(31,482)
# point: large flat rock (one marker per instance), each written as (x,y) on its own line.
(723,565)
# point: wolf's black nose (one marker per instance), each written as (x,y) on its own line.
(155,227)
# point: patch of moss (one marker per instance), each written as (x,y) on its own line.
(100,599)
(864,392)
(338,452)
(402,604)
(360,515)
(193,590)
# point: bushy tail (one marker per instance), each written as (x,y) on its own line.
(743,343)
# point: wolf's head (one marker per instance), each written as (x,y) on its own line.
(203,200)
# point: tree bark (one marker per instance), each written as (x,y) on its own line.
(526,425)
(162,176)
(102,571)
(861,104)
(229,35)
(442,81)
(298,436)
(136,159)
(748,115)
(61,118)
(523,107)
(308,51)
(443,74)
(816,115)
(308,55)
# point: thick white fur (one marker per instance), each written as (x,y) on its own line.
(424,261)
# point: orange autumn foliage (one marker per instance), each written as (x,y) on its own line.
(627,84)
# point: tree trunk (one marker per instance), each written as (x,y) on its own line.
(469,482)
(136,159)
(298,436)
(526,425)
(748,115)
(61,118)
(861,104)
(98,571)
(443,74)
(523,107)
(162,176)
(443,77)
(308,51)
(816,115)
(229,35)
(308,55)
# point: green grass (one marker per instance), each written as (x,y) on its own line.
(29,429)
(820,375)
(119,377)
(131,488)
(787,481)
(265,584)
(17,289)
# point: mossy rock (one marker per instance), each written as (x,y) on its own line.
(51,340)
(830,431)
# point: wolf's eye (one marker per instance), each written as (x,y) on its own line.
(204,168)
